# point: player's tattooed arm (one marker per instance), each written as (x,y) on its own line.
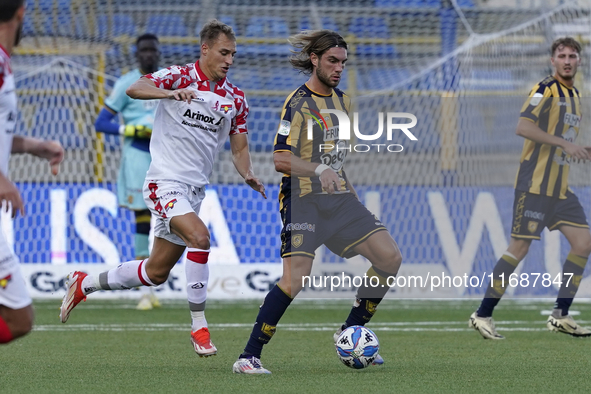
(49,150)
(243,163)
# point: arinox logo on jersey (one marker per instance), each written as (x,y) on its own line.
(199,116)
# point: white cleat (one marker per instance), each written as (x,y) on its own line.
(485,326)
(567,325)
(250,366)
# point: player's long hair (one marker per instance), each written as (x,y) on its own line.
(567,42)
(212,29)
(8,9)
(313,41)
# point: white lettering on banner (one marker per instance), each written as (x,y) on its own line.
(99,242)
(6,225)
(484,214)
(212,215)
(58,220)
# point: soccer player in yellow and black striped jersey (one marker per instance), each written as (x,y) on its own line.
(318,203)
(550,120)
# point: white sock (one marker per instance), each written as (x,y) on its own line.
(124,277)
(198,320)
(197,273)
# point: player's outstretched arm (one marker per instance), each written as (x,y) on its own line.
(10,194)
(49,150)
(242,162)
(146,89)
(528,129)
(287,163)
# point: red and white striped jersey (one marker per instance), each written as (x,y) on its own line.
(187,137)
(8,109)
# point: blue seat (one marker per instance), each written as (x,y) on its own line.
(227,19)
(58,123)
(166,25)
(267,50)
(267,26)
(369,27)
(28,26)
(408,3)
(120,24)
(62,26)
(47,6)
(326,22)
(377,78)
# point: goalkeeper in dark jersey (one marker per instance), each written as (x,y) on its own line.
(318,204)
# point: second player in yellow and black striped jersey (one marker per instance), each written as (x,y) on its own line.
(325,147)
(556,109)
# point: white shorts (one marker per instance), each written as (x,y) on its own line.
(13,288)
(167,199)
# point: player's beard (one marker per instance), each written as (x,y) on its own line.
(325,79)
(19,31)
(568,77)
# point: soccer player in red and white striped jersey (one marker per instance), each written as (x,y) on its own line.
(199,109)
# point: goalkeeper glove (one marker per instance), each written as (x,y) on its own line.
(136,131)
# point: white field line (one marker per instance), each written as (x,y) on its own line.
(392,326)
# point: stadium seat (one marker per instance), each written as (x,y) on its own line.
(227,19)
(58,123)
(408,3)
(326,22)
(166,25)
(267,26)
(121,24)
(246,78)
(490,80)
(62,26)
(28,26)
(369,27)
(377,78)
(48,6)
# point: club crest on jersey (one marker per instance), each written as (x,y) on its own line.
(4,281)
(226,108)
(532,226)
(297,240)
(216,106)
(170,204)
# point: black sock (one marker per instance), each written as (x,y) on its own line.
(505,267)
(368,298)
(274,306)
(574,265)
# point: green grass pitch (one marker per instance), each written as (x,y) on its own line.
(109,347)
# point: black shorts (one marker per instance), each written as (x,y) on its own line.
(338,221)
(533,212)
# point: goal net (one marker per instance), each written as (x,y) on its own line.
(463,68)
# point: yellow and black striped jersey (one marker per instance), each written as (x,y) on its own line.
(301,110)
(556,109)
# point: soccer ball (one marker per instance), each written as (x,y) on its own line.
(357,347)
